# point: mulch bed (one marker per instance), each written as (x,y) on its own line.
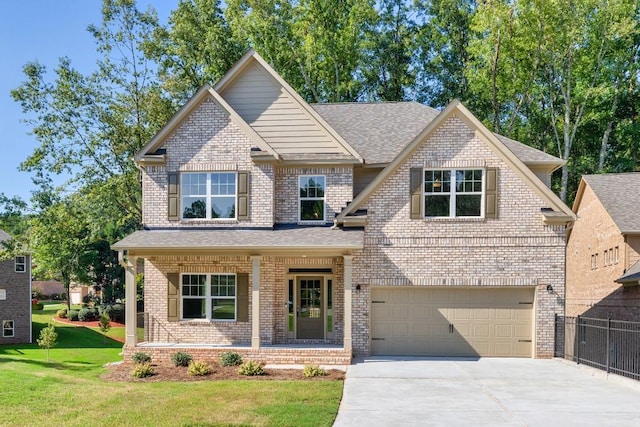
(93,324)
(168,372)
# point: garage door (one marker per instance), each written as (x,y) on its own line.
(452,322)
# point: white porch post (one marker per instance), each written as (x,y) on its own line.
(131,314)
(255,303)
(348,286)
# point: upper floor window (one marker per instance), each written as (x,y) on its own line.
(312,198)
(453,193)
(21,264)
(209,195)
(209,296)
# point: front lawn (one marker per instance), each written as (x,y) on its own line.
(68,390)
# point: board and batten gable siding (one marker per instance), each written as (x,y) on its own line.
(208,141)
(514,249)
(276,116)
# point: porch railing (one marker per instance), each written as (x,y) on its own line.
(610,345)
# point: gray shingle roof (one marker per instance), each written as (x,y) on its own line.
(619,193)
(528,154)
(377,131)
(285,238)
(4,236)
(631,275)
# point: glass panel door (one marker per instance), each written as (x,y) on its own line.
(309,310)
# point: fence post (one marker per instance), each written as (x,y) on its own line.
(578,339)
(608,343)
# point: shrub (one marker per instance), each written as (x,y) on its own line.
(38,306)
(115,311)
(181,359)
(230,359)
(141,358)
(142,370)
(251,368)
(311,371)
(73,315)
(87,314)
(199,369)
(62,313)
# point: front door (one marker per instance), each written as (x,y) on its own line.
(310,313)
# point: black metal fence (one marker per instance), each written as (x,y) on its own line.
(610,345)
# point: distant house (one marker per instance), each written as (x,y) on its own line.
(603,249)
(15,298)
(302,233)
(49,289)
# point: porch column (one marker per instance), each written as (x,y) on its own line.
(131,314)
(348,272)
(255,303)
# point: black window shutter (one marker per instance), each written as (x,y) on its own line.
(417,177)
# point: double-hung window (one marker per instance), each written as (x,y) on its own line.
(8,329)
(20,264)
(453,193)
(209,195)
(311,198)
(209,296)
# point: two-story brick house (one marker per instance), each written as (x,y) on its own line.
(307,233)
(603,249)
(15,298)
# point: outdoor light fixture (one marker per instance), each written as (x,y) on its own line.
(436,183)
(358,287)
(549,289)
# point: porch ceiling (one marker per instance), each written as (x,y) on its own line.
(298,241)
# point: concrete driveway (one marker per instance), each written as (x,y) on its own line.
(484,392)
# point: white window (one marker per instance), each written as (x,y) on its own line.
(606,257)
(209,296)
(7,329)
(21,264)
(311,198)
(209,195)
(453,193)
(616,256)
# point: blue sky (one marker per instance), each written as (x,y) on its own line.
(42,30)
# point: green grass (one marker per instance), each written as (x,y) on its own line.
(68,390)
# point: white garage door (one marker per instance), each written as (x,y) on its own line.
(452,322)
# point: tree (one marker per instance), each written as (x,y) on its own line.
(48,338)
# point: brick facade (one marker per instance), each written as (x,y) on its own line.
(516,249)
(591,287)
(17,305)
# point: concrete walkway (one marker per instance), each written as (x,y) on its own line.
(484,392)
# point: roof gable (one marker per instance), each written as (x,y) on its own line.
(456,108)
(205,91)
(277,113)
(618,194)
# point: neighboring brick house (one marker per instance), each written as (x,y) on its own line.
(310,233)
(603,249)
(15,298)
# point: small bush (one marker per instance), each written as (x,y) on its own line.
(141,358)
(311,371)
(115,311)
(230,359)
(251,368)
(199,369)
(73,315)
(38,306)
(142,370)
(181,359)
(88,314)
(62,313)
